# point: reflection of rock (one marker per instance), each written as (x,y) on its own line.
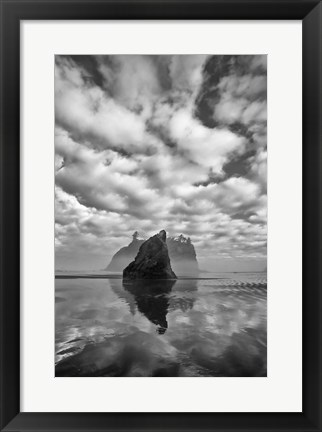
(185,298)
(152,299)
(118,289)
(152,260)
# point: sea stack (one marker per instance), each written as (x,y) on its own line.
(152,260)
(183,256)
(125,255)
(180,249)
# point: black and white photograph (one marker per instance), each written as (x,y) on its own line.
(160,215)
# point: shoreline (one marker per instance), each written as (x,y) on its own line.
(116,276)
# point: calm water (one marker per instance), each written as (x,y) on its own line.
(192,327)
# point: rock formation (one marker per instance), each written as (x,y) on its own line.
(125,255)
(181,252)
(152,260)
(183,255)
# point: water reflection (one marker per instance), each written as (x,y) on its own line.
(188,327)
(184,295)
(152,300)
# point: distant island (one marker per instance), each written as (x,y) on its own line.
(181,251)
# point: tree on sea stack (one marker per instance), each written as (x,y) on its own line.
(152,260)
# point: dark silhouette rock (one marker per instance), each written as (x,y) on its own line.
(152,260)
(181,252)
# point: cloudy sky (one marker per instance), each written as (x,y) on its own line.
(145,143)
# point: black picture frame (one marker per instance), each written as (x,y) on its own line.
(12,12)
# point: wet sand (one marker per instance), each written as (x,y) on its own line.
(187,327)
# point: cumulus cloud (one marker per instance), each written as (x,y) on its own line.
(186,72)
(150,142)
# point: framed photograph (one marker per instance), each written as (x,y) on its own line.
(160,215)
